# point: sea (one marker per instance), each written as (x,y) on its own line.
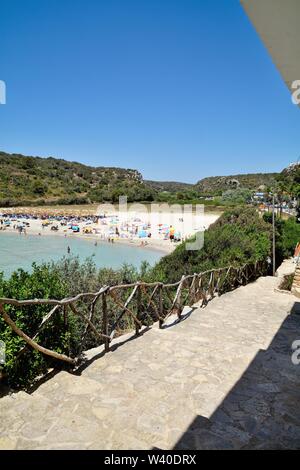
(20,251)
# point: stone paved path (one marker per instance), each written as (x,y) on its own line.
(222,378)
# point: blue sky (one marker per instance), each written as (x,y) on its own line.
(178,89)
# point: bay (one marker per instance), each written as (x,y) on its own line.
(19,251)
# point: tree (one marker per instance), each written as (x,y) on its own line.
(237,196)
(39,188)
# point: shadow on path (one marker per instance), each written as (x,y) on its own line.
(262,410)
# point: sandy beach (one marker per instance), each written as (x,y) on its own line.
(141,227)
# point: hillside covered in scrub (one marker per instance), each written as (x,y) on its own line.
(239,236)
(215,185)
(24,180)
(289,179)
(170,186)
(27,180)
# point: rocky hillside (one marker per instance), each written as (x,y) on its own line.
(170,186)
(36,181)
(253,181)
(26,179)
(289,179)
(291,173)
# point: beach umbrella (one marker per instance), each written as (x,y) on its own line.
(142,234)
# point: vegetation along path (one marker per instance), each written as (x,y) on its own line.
(221,378)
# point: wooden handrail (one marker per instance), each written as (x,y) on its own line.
(189,290)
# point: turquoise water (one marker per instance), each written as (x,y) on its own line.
(19,251)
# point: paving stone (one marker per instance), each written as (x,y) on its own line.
(222,378)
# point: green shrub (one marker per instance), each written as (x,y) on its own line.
(239,236)
(58,280)
(41,283)
(287,236)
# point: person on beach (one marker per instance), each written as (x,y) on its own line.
(172,232)
(69,250)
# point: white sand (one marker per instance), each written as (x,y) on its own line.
(127,222)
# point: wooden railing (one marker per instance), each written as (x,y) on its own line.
(113,309)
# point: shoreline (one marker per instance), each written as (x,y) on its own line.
(151,245)
(112,228)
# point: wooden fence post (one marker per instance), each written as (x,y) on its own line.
(139,304)
(211,285)
(66,324)
(161,306)
(194,290)
(105,322)
(65,316)
(177,301)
